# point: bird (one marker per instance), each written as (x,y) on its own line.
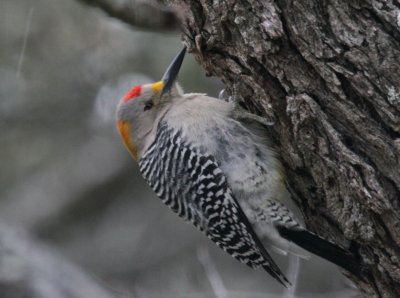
(215,166)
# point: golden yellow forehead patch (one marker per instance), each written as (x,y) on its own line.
(125,131)
(157,87)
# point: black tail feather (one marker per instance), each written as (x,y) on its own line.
(322,248)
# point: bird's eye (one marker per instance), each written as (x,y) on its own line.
(148,105)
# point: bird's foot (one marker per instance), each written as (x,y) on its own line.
(238,111)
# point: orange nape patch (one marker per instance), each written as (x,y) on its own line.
(125,131)
(134,92)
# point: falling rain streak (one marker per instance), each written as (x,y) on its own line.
(26,35)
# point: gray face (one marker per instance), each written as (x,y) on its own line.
(143,106)
(137,116)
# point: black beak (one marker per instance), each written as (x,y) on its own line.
(172,71)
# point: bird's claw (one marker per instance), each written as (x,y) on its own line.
(239,111)
(222,95)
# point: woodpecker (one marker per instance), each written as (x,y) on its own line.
(217,169)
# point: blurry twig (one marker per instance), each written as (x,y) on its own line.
(149,15)
(293,275)
(31,269)
(212,273)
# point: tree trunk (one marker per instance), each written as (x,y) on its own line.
(327,73)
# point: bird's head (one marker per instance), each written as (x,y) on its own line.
(142,105)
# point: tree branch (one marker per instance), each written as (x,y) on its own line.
(148,15)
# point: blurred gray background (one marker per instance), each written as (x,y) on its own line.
(66,178)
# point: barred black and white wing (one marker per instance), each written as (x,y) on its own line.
(191,183)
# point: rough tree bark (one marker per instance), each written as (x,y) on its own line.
(328,74)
